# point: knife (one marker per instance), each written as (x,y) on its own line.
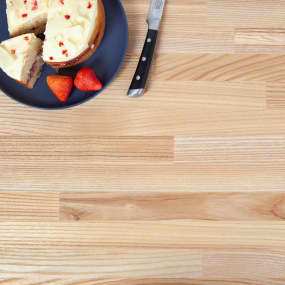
(139,81)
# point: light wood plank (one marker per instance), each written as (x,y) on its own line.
(123,250)
(247,13)
(63,176)
(234,95)
(88,149)
(142,118)
(259,49)
(230,150)
(47,238)
(276,95)
(254,69)
(251,267)
(260,36)
(145,281)
(109,263)
(27,206)
(166,206)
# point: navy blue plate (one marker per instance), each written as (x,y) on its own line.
(106,62)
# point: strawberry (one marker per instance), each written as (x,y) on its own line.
(60,85)
(86,80)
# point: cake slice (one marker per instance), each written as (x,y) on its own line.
(20,58)
(26,16)
(74,30)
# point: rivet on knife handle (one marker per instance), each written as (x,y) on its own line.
(141,75)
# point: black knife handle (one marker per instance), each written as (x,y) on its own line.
(141,75)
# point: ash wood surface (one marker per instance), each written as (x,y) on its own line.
(184,186)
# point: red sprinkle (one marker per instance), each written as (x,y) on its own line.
(35,7)
(61,44)
(26,38)
(61,1)
(51,58)
(67,17)
(24,15)
(64,51)
(89,5)
(13,51)
(25,1)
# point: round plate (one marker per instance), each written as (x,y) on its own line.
(106,62)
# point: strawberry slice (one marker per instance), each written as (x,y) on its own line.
(86,80)
(60,85)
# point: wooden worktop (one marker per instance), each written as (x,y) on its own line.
(184,186)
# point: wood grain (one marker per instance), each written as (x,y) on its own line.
(47,238)
(184,186)
(182,177)
(28,206)
(88,149)
(174,249)
(247,13)
(145,281)
(230,150)
(260,36)
(143,117)
(275,95)
(247,206)
(222,67)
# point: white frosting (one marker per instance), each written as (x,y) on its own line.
(14,53)
(69,29)
(70,24)
(22,12)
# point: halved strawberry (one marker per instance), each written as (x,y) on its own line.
(60,85)
(86,80)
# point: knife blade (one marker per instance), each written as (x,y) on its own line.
(140,78)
